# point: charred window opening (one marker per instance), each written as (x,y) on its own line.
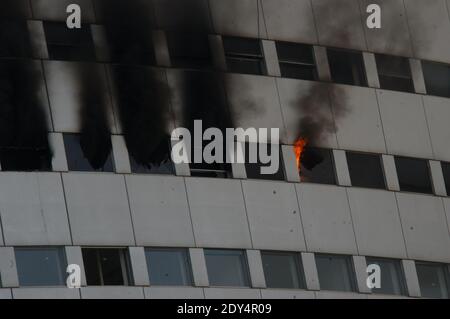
(446,173)
(394,73)
(392,278)
(347,67)
(254,169)
(296,61)
(107,266)
(437,78)
(365,170)
(160,163)
(317,166)
(413,175)
(77,160)
(189,50)
(14,38)
(69,44)
(244,55)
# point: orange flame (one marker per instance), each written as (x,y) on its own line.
(299,147)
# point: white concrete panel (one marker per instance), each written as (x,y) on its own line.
(255,267)
(59,159)
(271,58)
(437,177)
(274,215)
(41,219)
(139,266)
(412,281)
(288,20)
(173,293)
(238,17)
(339,295)
(218,213)
(327,223)
(360,266)
(160,210)
(8,269)
(357,119)
(232,293)
(120,154)
(310,269)
(339,23)
(342,171)
(417,76)
(393,36)
(404,123)
(45,293)
(377,223)
(75,256)
(390,172)
(98,209)
(286,294)
(447,210)
(303,102)
(438,112)
(322,65)
(181,169)
(425,227)
(198,263)
(290,164)
(429,25)
(112,292)
(55,10)
(5,294)
(371,70)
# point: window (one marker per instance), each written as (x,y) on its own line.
(446,173)
(317,166)
(335,272)
(283,270)
(41,266)
(296,61)
(77,159)
(413,175)
(189,50)
(365,170)
(107,266)
(69,44)
(227,268)
(392,278)
(437,78)
(244,55)
(434,280)
(169,267)
(161,161)
(394,73)
(254,169)
(347,67)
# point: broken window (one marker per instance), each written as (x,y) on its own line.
(437,78)
(189,50)
(283,270)
(107,266)
(347,67)
(296,61)
(69,44)
(434,280)
(161,162)
(392,277)
(413,175)
(335,272)
(365,170)
(77,159)
(394,73)
(317,166)
(227,268)
(244,55)
(169,267)
(446,173)
(38,266)
(254,169)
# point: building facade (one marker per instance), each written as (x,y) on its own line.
(86,176)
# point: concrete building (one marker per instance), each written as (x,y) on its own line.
(85,179)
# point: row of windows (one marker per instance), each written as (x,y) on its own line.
(245,55)
(226,268)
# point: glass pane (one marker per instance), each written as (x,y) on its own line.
(446,172)
(226,268)
(295,52)
(41,266)
(433,280)
(365,170)
(392,279)
(168,267)
(254,169)
(413,175)
(437,78)
(317,166)
(347,67)
(335,273)
(282,270)
(91,267)
(113,266)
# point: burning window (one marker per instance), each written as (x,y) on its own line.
(335,272)
(446,173)
(394,73)
(254,169)
(296,61)
(169,267)
(107,266)
(365,170)
(434,280)
(413,175)
(316,165)
(244,55)
(347,67)
(78,160)
(392,277)
(227,268)
(437,78)
(283,270)
(189,50)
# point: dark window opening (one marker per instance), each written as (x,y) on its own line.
(446,173)
(437,78)
(283,270)
(394,73)
(214,170)
(227,268)
(335,272)
(347,67)
(107,267)
(14,39)
(413,175)
(434,280)
(190,51)
(254,169)
(160,162)
(365,170)
(244,55)
(317,166)
(77,159)
(392,277)
(296,61)
(169,267)
(69,44)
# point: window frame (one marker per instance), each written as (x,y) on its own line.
(301,281)
(244,264)
(245,57)
(297,63)
(349,266)
(446,270)
(364,77)
(400,272)
(380,162)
